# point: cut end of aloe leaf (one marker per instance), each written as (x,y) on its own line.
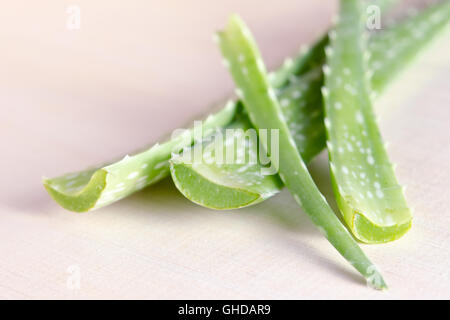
(213,182)
(366,231)
(77,192)
(388,225)
(96,188)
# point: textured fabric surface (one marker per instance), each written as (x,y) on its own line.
(71,99)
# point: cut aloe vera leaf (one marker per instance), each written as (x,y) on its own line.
(95,188)
(216,183)
(366,189)
(259,99)
(301,102)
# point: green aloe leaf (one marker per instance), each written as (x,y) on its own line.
(370,199)
(300,97)
(215,183)
(98,187)
(264,109)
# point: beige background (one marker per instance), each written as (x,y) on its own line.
(135,71)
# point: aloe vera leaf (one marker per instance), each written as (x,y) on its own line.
(301,101)
(217,184)
(367,192)
(248,71)
(98,187)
